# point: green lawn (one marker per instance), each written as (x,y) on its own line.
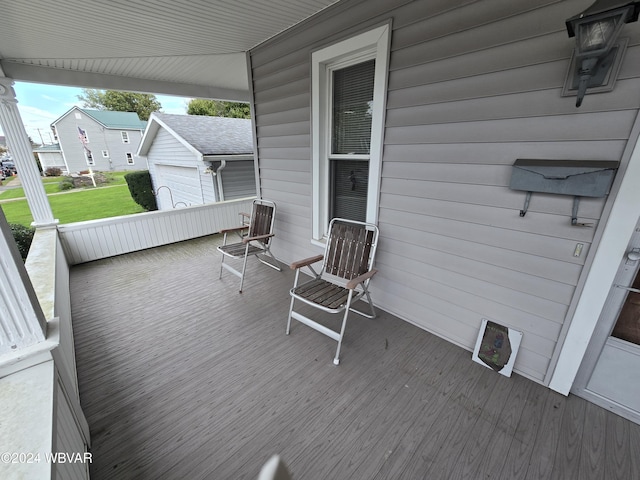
(78,205)
(52,184)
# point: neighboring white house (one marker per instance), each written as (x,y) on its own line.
(50,157)
(99,139)
(197,159)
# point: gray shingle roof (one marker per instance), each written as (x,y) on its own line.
(212,135)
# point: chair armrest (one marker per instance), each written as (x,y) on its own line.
(257,237)
(354,282)
(234,229)
(305,262)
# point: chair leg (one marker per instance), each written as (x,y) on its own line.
(290,312)
(336,361)
(267,253)
(371,307)
(244,266)
(224,242)
(295,284)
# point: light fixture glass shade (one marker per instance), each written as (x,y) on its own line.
(595,36)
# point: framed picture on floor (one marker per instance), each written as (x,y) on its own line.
(496,347)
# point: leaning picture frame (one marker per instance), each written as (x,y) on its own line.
(497,347)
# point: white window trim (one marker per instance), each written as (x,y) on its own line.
(86,156)
(105,153)
(125,137)
(373,44)
(127,155)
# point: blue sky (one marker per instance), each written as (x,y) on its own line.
(41,104)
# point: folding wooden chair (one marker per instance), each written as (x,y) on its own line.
(256,242)
(347,268)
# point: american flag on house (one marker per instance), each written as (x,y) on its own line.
(82,135)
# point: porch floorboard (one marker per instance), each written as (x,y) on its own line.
(183,377)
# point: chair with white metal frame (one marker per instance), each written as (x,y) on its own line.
(255,242)
(347,268)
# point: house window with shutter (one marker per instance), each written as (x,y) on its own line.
(348,104)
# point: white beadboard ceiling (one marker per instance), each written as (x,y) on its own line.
(183,47)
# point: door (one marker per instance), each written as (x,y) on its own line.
(178,186)
(610,374)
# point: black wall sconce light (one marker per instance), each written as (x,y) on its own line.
(596,31)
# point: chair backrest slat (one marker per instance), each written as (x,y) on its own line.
(261,220)
(349,249)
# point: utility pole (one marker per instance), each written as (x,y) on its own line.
(41,139)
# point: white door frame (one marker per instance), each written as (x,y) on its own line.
(598,391)
(611,249)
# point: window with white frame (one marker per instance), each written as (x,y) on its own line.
(349,82)
(125,137)
(89,157)
(129,158)
(105,153)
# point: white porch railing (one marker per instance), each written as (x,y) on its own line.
(108,237)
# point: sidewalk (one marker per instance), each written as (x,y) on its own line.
(9,183)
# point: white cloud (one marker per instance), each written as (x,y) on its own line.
(175,105)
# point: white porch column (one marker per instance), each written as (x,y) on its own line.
(22,322)
(21,151)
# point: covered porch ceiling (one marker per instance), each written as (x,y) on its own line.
(183,47)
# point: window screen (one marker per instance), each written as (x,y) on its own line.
(352,108)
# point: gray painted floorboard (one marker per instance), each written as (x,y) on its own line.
(182,377)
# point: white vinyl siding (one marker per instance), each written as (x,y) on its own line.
(68,438)
(473,86)
(238,179)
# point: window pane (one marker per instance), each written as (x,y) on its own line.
(349,181)
(352,108)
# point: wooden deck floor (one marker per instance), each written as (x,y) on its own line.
(182,377)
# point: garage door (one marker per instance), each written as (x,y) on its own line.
(183,187)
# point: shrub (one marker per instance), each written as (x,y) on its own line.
(66,184)
(53,172)
(23,237)
(141,189)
